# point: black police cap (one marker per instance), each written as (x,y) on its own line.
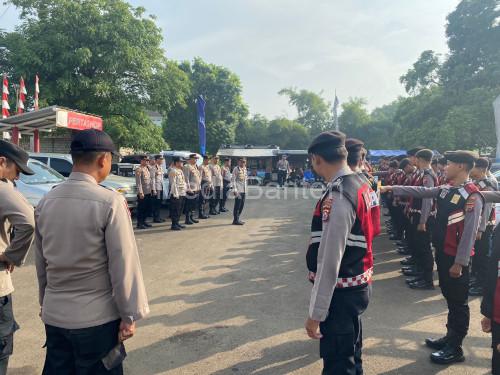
(159,157)
(413,151)
(92,140)
(330,140)
(483,163)
(353,144)
(461,157)
(193,156)
(17,155)
(425,154)
(176,159)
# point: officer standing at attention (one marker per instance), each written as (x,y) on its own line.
(143,181)
(342,227)
(283,169)
(193,186)
(239,183)
(206,187)
(17,226)
(89,274)
(215,207)
(226,179)
(152,173)
(158,181)
(459,207)
(177,193)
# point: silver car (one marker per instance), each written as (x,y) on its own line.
(36,186)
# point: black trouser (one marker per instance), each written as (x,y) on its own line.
(7,328)
(225,191)
(216,199)
(480,258)
(495,341)
(342,341)
(205,194)
(422,247)
(399,221)
(176,206)
(143,207)
(456,293)
(157,205)
(239,203)
(190,203)
(80,351)
(281,178)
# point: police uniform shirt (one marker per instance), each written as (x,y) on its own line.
(158,170)
(226,173)
(239,180)
(336,228)
(152,174)
(143,180)
(426,208)
(177,183)
(86,257)
(216,174)
(471,220)
(192,177)
(283,165)
(16,213)
(206,173)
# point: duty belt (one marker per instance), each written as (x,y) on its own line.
(349,282)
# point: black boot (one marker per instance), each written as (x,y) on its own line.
(193,219)
(449,354)
(436,344)
(422,285)
(188,220)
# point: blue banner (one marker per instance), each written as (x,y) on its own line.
(202,129)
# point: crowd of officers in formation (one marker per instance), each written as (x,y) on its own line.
(446,204)
(193,189)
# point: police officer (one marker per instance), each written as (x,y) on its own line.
(143,181)
(17,225)
(239,183)
(342,230)
(226,179)
(459,207)
(152,173)
(87,264)
(283,169)
(158,188)
(216,170)
(193,186)
(177,193)
(206,187)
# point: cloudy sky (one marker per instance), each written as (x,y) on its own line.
(358,47)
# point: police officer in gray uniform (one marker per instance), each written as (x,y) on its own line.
(158,188)
(91,288)
(207,187)
(239,189)
(17,225)
(144,184)
(177,192)
(193,186)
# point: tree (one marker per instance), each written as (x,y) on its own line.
(102,57)
(287,134)
(253,131)
(424,74)
(314,112)
(224,109)
(354,117)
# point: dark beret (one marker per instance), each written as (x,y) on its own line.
(413,151)
(353,144)
(404,163)
(482,163)
(425,154)
(461,157)
(434,162)
(442,161)
(330,140)
(394,164)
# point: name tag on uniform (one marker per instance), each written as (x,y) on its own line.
(443,194)
(326,208)
(455,199)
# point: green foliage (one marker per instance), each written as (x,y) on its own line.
(424,74)
(288,134)
(314,111)
(102,57)
(354,116)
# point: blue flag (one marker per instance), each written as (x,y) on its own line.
(202,129)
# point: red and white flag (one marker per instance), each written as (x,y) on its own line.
(5,98)
(37,91)
(22,96)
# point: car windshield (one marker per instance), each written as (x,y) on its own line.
(43,175)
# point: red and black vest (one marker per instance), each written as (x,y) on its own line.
(415,205)
(357,263)
(450,217)
(486,185)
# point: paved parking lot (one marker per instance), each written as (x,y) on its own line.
(232,300)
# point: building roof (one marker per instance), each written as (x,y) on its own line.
(247,152)
(49,118)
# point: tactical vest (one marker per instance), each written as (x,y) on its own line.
(450,218)
(356,267)
(415,205)
(486,185)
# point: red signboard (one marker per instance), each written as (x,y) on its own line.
(79,121)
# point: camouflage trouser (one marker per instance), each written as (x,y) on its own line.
(7,328)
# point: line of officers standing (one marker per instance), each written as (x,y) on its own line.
(203,189)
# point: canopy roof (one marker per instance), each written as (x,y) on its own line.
(49,118)
(381,153)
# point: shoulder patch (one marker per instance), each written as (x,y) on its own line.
(326,208)
(471,202)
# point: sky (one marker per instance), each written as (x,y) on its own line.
(359,48)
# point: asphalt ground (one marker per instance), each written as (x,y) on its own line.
(233,300)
